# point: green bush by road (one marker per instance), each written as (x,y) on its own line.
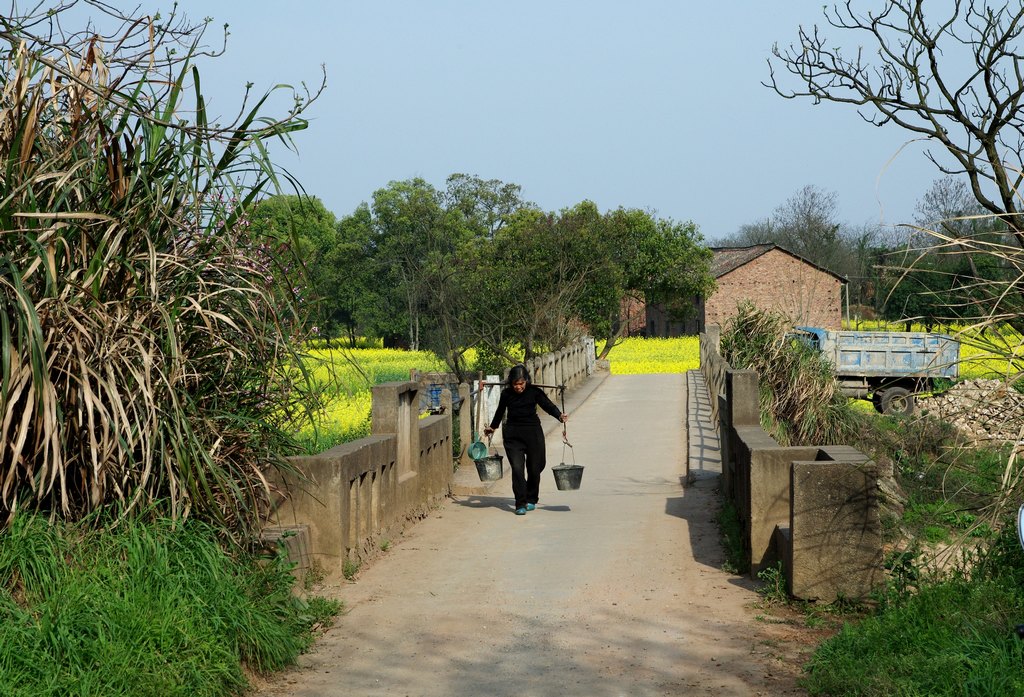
(142,609)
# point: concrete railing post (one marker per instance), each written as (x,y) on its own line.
(714,334)
(743,398)
(395,411)
(465,424)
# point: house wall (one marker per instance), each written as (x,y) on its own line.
(777,281)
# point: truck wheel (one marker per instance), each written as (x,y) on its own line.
(876,401)
(897,400)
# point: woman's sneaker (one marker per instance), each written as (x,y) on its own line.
(530,506)
(520,511)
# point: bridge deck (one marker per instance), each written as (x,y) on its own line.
(614,589)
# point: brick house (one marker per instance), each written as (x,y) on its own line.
(774,278)
(769,276)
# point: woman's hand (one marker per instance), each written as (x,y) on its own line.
(565,417)
(488,431)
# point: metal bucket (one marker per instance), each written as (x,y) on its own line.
(567,477)
(490,468)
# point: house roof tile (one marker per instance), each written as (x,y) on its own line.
(728,259)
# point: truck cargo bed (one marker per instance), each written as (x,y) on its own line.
(888,354)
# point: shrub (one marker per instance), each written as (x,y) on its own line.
(146,334)
(800,399)
(153,608)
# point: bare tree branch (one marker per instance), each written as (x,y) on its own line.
(953,76)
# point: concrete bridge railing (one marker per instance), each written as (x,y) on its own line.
(814,508)
(342,503)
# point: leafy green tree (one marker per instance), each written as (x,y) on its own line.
(484,206)
(477,266)
(409,239)
(302,231)
(405,263)
(914,293)
(354,302)
(549,278)
(645,259)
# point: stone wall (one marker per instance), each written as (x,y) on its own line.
(813,508)
(347,499)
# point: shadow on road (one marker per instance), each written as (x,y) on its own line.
(500,502)
(597,651)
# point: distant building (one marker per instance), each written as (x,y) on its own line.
(769,276)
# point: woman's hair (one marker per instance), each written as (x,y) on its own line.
(518,372)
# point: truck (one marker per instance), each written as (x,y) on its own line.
(887,367)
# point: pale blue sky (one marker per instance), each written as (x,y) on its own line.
(653,104)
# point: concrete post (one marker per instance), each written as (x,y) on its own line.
(465,425)
(714,334)
(743,398)
(835,531)
(394,411)
(491,395)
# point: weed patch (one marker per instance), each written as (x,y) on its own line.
(153,608)
(736,561)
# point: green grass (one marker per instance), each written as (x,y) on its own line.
(142,609)
(935,634)
(954,638)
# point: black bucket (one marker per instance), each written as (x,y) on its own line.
(567,477)
(490,468)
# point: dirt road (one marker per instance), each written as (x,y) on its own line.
(612,590)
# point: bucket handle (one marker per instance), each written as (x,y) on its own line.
(565,435)
(567,444)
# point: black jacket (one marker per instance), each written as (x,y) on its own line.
(522,408)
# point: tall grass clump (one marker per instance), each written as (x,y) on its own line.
(800,399)
(145,335)
(154,608)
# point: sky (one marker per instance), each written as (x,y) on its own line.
(652,104)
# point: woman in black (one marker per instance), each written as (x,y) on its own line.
(522,435)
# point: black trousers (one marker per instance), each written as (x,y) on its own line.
(524,446)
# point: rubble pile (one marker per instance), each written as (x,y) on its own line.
(984,411)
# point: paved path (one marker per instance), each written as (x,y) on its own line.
(614,589)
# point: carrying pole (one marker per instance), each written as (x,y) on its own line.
(479,405)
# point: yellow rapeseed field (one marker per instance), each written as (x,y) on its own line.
(643,356)
(345,378)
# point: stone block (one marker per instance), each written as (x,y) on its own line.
(835,529)
(743,400)
(296,543)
